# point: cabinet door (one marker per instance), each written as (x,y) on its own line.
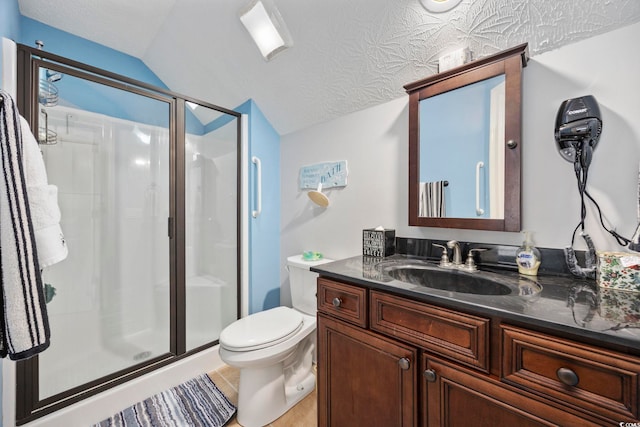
(363,378)
(456,397)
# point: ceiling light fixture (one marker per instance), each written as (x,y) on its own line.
(438,6)
(267,28)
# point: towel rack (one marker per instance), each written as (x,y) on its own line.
(479,210)
(256,161)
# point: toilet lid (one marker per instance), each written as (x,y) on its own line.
(262,329)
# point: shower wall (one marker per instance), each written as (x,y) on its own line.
(111,305)
(211,239)
(112,178)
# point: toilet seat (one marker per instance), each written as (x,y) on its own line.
(262,329)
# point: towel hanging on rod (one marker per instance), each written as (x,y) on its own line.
(24,330)
(432,199)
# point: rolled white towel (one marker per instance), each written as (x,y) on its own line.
(45,217)
(43,203)
(52,248)
(35,172)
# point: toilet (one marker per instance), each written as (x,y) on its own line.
(275,350)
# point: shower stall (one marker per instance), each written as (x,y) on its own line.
(148,188)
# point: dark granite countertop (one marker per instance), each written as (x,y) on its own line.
(573,308)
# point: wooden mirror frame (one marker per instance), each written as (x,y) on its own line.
(510,63)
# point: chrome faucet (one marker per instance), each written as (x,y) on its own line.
(457,257)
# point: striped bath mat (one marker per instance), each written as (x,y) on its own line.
(197,403)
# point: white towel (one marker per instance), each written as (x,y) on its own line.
(24,326)
(432,202)
(43,203)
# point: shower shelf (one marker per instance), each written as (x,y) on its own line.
(47,97)
(48,94)
(45,135)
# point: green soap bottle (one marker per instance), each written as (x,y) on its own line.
(528,257)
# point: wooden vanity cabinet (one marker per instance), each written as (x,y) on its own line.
(386,360)
(364,379)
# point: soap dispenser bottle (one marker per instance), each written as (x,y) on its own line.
(528,257)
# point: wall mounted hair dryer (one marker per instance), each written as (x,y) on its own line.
(577,132)
(578,128)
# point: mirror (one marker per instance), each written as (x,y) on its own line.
(464,145)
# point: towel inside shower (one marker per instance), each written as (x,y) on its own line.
(432,199)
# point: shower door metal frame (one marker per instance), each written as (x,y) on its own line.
(28,405)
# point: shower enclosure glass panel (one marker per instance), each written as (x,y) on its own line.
(211,241)
(107,151)
(149,193)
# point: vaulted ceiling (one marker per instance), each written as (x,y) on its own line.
(347,54)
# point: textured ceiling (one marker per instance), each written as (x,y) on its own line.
(347,55)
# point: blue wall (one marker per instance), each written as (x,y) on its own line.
(98,98)
(9,28)
(264,231)
(9,19)
(92,96)
(82,50)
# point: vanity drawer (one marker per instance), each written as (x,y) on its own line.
(461,337)
(577,375)
(345,302)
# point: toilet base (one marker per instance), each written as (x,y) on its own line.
(263,396)
(274,378)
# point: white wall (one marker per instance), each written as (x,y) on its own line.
(375,144)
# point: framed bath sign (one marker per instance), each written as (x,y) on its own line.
(329,174)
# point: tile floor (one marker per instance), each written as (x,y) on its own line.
(304,414)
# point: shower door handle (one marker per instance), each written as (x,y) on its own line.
(256,161)
(479,210)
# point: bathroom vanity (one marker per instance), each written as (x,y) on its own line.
(391,353)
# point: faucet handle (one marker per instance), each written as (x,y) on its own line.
(477,250)
(470,264)
(444,259)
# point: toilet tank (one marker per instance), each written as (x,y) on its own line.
(303,283)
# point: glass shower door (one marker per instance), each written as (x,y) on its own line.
(148,188)
(211,223)
(107,151)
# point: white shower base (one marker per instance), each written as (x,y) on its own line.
(73,368)
(105,404)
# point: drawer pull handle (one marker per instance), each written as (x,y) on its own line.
(430,375)
(337,302)
(404,364)
(567,376)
